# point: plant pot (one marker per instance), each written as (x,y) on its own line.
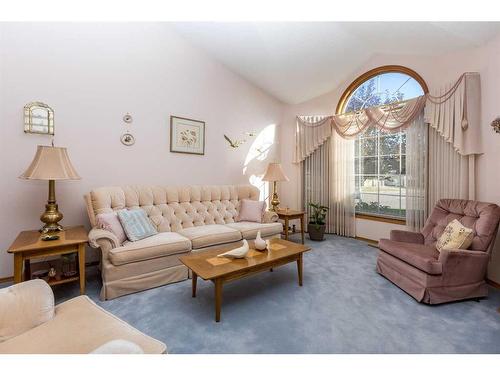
(316,232)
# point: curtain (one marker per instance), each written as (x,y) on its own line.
(416,174)
(451,175)
(341,213)
(455,112)
(328,179)
(310,133)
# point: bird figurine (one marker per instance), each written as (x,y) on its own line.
(235,143)
(240,252)
(259,243)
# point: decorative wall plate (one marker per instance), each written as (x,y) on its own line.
(127,139)
(128,118)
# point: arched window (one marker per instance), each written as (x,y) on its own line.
(380,157)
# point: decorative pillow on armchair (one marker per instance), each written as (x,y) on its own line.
(455,236)
(136,224)
(251,210)
(110,222)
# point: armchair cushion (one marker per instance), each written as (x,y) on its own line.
(24,306)
(406,236)
(423,257)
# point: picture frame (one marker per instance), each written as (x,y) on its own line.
(187,136)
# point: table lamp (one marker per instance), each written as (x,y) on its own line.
(274,173)
(51,163)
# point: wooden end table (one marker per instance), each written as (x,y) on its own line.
(28,245)
(208,266)
(288,215)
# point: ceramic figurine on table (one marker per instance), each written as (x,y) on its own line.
(240,252)
(260,244)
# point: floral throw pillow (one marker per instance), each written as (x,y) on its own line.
(455,236)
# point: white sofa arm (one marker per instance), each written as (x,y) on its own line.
(24,306)
(103,238)
(270,217)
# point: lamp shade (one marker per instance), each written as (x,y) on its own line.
(274,172)
(50,163)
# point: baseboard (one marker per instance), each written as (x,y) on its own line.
(370,242)
(6,279)
(494,284)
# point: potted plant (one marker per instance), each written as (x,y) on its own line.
(316,226)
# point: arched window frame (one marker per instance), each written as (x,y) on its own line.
(344,100)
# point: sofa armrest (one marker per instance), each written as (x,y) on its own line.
(464,266)
(25,306)
(406,236)
(270,217)
(103,239)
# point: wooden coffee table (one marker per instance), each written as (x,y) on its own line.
(222,270)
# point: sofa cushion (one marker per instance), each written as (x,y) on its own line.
(78,327)
(249,229)
(159,245)
(423,257)
(24,306)
(251,210)
(208,235)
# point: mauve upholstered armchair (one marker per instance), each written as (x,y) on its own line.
(410,260)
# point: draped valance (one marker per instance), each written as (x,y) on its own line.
(453,111)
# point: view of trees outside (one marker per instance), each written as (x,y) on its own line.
(380,157)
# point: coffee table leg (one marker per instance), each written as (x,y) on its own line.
(195,279)
(299,268)
(218,298)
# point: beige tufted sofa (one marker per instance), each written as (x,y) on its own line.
(189,218)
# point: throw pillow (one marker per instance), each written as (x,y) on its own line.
(251,210)
(110,222)
(136,224)
(455,236)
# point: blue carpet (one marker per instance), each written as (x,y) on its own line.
(343,307)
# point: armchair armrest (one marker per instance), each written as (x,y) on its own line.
(104,239)
(24,306)
(270,217)
(406,236)
(464,265)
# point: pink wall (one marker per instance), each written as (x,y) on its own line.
(92,74)
(436,71)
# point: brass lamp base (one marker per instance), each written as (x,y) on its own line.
(51,216)
(275,201)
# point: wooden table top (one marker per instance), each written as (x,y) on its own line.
(30,239)
(208,266)
(282,213)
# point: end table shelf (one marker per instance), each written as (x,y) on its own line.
(28,245)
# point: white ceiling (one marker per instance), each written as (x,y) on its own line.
(297,61)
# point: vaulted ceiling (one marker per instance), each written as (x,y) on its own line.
(296,61)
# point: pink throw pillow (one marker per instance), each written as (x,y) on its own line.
(111,222)
(251,210)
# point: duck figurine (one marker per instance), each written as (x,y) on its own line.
(240,252)
(259,243)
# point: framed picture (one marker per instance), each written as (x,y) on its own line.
(187,136)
